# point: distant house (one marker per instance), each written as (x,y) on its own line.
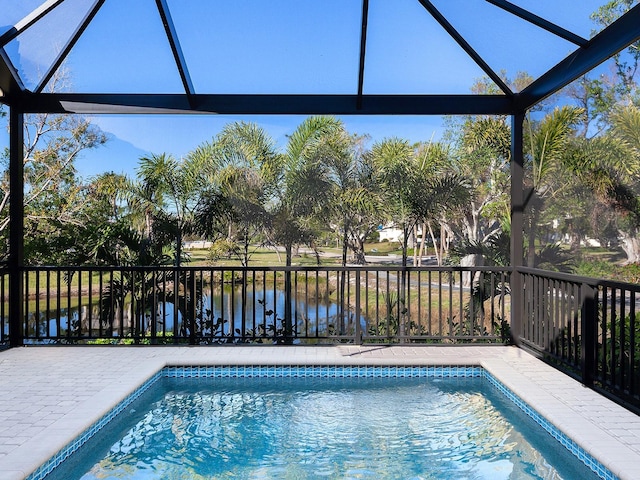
(390,233)
(197,244)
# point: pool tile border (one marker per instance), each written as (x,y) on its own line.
(585,457)
(67,451)
(329,371)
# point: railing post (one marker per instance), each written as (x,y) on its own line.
(16,226)
(342,273)
(402,304)
(288,323)
(358,329)
(176,287)
(517,224)
(193,311)
(588,322)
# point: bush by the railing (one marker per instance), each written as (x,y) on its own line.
(608,270)
(618,358)
(395,321)
(222,249)
(167,339)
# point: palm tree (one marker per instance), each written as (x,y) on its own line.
(169,190)
(609,166)
(357,205)
(110,187)
(162,201)
(435,196)
(244,166)
(304,189)
(416,188)
(626,127)
(394,160)
(482,157)
(548,143)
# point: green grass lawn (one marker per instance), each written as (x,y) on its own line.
(269,257)
(260,257)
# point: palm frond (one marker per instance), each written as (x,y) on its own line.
(626,127)
(549,140)
(309,136)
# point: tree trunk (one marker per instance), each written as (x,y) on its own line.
(435,245)
(345,246)
(358,253)
(443,242)
(531,251)
(473,260)
(245,254)
(288,254)
(630,244)
(147,223)
(415,247)
(343,282)
(422,243)
(359,258)
(405,244)
(178,247)
(288,321)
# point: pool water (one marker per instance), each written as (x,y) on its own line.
(304,428)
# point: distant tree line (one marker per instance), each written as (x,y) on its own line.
(331,186)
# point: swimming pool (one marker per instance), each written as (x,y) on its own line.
(419,400)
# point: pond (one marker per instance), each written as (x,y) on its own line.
(220,315)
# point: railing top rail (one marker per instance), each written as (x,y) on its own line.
(594,282)
(380,268)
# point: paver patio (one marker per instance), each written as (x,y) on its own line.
(48,395)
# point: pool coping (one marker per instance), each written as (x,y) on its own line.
(603,429)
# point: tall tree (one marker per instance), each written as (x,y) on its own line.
(609,167)
(54,194)
(394,160)
(104,223)
(482,156)
(303,195)
(357,205)
(416,186)
(627,62)
(244,164)
(546,144)
(437,194)
(167,192)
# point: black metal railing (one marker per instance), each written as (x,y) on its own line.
(265,304)
(4,308)
(586,326)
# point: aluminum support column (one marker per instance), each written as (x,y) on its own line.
(517,224)
(16,226)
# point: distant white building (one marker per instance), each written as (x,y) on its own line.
(390,233)
(197,244)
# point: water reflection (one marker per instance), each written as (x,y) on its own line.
(219,315)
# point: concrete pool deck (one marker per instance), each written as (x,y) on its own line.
(49,395)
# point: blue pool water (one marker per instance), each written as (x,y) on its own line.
(303,428)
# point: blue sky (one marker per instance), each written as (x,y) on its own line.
(284,46)
(133,136)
